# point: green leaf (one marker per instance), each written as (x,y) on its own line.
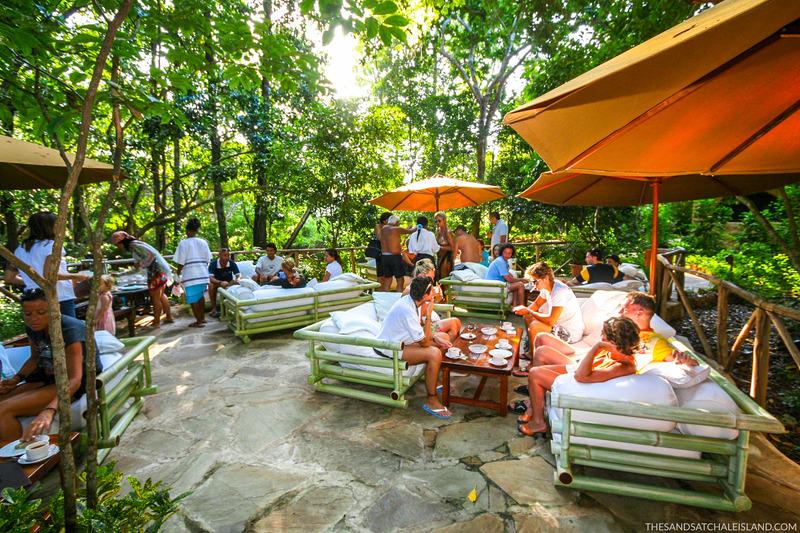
(306,6)
(396,20)
(327,37)
(372,27)
(386,35)
(385,8)
(397,33)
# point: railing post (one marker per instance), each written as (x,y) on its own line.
(722,324)
(758,381)
(352,260)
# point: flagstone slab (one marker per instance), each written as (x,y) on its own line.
(527,481)
(159,444)
(485,523)
(237,492)
(315,510)
(566,519)
(399,508)
(405,440)
(453,484)
(470,438)
(253,435)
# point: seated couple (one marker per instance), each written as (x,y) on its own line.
(627,345)
(409,322)
(36,397)
(596,271)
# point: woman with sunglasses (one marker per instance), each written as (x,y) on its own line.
(555,311)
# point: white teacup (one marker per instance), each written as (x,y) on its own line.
(507,325)
(503,343)
(453,352)
(37,450)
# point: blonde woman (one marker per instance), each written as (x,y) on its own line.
(446,245)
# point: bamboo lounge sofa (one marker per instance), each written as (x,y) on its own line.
(125,380)
(270,309)
(349,360)
(697,431)
(475,296)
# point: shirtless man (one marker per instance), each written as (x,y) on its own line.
(467,247)
(391,254)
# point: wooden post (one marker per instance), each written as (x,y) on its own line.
(758,382)
(722,324)
(665,289)
(695,322)
(780,327)
(739,342)
(352,260)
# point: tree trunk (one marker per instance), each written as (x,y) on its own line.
(261,208)
(10,220)
(176,185)
(297,228)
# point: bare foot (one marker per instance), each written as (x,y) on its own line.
(169,320)
(197,325)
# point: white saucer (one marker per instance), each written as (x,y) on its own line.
(477,348)
(503,346)
(499,352)
(488,331)
(512,330)
(9,449)
(459,355)
(468,336)
(51,453)
(495,361)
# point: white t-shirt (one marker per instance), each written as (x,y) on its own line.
(269,267)
(425,244)
(500,229)
(36,258)
(194,254)
(402,323)
(570,317)
(334,268)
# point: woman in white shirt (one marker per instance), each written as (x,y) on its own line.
(193,256)
(35,251)
(555,311)
(422,243)
(334,264)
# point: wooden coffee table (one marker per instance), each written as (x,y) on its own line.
(481,367)
(37,471)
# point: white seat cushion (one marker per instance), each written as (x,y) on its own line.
(709,397)
(247,269)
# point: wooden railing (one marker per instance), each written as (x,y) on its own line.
(664,283)
(765,316)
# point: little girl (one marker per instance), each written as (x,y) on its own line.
(610,358)
(104,316)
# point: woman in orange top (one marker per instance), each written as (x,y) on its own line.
(610,358)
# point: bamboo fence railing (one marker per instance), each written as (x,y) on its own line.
(765,316)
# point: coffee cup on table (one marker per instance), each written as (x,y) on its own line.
(37,450)
(453,352)
(507,325)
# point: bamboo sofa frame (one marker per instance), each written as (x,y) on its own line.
(723,463)
(325,365)
(456,291)
(241,322)
(119,403)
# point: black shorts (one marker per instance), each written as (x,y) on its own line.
(379,266)
(393,266)
(40,376)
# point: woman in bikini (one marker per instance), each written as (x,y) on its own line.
(446,246)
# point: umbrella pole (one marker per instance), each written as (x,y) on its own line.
(654,239)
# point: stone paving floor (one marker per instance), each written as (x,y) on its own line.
(238,426)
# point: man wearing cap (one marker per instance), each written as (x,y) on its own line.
(392,262)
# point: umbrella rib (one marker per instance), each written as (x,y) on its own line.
(686,91)
(772,124)
(30,174)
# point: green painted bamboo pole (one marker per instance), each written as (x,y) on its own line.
(314,334)
(133,374)
(125,420)
(645,410)
(649,460)
(334,357)
(350,379)
(648,438)
(407,384)
(387,380)
(740,466)
(564,473)
(116,406)
(104,419)
(361,395)
(135,347)
(664,494)
(643,471)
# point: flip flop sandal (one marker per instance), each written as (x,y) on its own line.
(518,406)
(524,419)
(525,430)
(522,389)
(438,413)
(519,373)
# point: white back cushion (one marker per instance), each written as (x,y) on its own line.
(107,343)
(710,397)
(247,269)
(383,302)
(634,388)
(248,284)
(478,268)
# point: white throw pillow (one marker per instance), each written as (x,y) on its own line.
(241,292)
(247,283)
(359,326)
(383,302)
(107,343)
(629,269)
(479,269)
(708,397)
(628,285)
(634,388)
(8,370)
(464,275)
(246,269)
(679,376)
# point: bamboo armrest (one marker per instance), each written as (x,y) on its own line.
(312,333)
(475,282)
(134,347)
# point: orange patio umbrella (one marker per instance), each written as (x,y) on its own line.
(436,193)
(25,165)
(708,108)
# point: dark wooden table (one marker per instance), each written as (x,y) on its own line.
(481,367)
(131,301)
(37,471)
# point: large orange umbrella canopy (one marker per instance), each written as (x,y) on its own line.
(436,193)
(25,165)
(718,94)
